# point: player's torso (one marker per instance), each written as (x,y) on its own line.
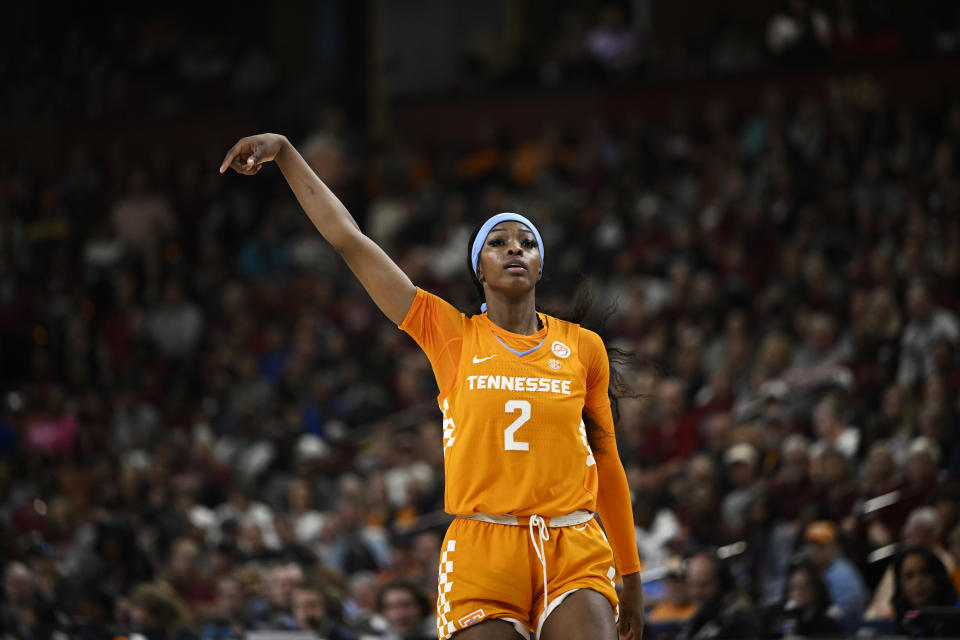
(514,441)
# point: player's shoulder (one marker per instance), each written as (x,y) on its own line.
(577,332)
(587,335)
(590,340)
(434,301)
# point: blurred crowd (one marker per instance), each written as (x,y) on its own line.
(608,43)
(159,63)
(207,428)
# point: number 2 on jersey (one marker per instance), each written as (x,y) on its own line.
(512,406)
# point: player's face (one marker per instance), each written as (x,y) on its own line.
(510,258)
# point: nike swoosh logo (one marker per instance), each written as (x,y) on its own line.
(477,360)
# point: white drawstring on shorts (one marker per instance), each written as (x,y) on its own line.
(536,522)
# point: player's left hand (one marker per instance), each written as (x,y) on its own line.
(630,625)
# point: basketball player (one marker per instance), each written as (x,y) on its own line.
(518,391)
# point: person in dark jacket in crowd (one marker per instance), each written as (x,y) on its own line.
(311,611)
(721,609)
(24,613)
(407,609)
(806,609)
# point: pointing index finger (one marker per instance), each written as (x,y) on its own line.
(227,159)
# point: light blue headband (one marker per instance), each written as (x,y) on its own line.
(490,224)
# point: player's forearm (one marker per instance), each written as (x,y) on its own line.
(323,208)
(633,586)
(616,512)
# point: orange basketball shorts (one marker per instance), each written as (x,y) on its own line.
(492,570)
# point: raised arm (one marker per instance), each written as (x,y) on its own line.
(386,283)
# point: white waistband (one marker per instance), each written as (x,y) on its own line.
(566,520)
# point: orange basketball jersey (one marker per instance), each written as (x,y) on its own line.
(514,441)
(513,435)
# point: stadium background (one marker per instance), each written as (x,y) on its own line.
(197,396)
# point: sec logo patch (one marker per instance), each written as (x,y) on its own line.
(560,350)
(553,364)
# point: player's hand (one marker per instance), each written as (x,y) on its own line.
(250,153)
(630,625)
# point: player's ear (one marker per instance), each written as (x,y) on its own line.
(479,271)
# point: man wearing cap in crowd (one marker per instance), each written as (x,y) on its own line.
(740,461)
(844,582)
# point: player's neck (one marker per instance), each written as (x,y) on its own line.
(513,316)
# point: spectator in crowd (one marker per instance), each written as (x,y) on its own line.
(716,432)
(424,559)
(741,462)
(791,489)
(805,609)
(657,526)
(95,615)
(819,360)
(920,471)
(248,513)
(157,613)
(110,556)
(893,424)
(700,518)
(843,580)
(230,617)
(278,583)
(832,430)
(360,612)
(291,550)
(176,325)
(357,545)
(922,530)
(675,605)
(836,490)
(879,511)
(142,217)
(928,323)
(921,582)
(721,610)
(770,543)
(675,434)
(311,613)
(23,612)
(407,610)
(186,575)
(307,521)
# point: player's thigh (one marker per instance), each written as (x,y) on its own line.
(580,560)
(583,615)
(492,629)
(484,575)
